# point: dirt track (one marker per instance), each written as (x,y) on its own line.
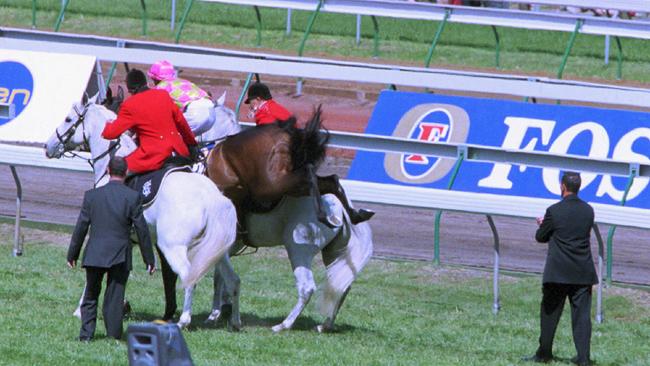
(55,196)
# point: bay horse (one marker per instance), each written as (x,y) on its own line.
(260,165)
(195,224)
(346,249)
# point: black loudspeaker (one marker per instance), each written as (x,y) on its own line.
(157,344)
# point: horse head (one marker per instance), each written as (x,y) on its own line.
(70,134)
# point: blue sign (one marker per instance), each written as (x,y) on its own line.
(16,87)
(593,132)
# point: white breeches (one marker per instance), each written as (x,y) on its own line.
(200,115)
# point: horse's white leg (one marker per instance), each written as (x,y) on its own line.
(328,324)
(186,316)
(77,311)
(306,286)
(231,283)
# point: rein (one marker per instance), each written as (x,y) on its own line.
(65,138)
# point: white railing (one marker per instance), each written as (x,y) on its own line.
(464,14)
(114,49)
(621,5)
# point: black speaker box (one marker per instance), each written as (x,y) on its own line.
(155,344)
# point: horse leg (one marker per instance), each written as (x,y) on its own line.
(306,286)
(328,324)
(186,316)
(231,283)
(219,300)
(169,284)
(331,184)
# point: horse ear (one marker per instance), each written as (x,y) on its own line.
(84,99)
(222,99)
(93,100)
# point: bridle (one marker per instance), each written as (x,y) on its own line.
(65,138)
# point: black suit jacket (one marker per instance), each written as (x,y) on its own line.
(567,228)
(110,211)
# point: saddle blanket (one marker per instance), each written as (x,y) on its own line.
(148,184)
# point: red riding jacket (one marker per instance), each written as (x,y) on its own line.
(160,126)
(270,112)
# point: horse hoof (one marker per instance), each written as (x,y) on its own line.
(323,329)
(77,313)
(184,321)
(214,316)
(278,328)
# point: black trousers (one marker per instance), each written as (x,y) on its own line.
(554,297)
(113,306)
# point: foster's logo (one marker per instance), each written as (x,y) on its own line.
(427,122)
(16,87)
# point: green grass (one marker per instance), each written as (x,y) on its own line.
(398,313)
(402,41)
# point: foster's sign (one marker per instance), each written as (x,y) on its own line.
(593,132)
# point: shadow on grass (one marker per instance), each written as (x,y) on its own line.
(248,320)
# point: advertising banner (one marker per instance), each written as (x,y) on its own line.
(38,89)
(593,132)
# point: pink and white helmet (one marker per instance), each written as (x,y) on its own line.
(162,70)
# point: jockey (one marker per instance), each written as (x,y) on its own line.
(195,103)
(263,107)
(158,123)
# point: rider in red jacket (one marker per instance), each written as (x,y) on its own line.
(159,124)
(266,109)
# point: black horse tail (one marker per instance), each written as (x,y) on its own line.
(308,145)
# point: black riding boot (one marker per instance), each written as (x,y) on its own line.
(331,184)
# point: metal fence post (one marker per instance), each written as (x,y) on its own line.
(144,17)
(288,32)
(310,24)
(120,44)
(436,226)
(599,292)
(59,19)
(497,47)
(619,64)
(375,25)
(33,14)
(186,13)
(18,240)
(434,43)
(496,305)
(358,34)
(634,171)
(243,93)
(258,16)
(172,17)
(569,46)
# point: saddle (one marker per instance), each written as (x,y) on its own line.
(149,183)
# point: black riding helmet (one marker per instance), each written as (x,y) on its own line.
(135,80)
(258,90)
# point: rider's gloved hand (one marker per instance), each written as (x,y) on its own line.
(194,152)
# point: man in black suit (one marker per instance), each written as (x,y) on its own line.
(109,211)
(569,270)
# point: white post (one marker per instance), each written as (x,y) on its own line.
(18,239)
(496,304)
(358,29)
(172,19)
(607,49)
(288,22)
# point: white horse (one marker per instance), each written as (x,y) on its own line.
(195,224)
(293,223)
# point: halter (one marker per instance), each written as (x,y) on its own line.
(65,138)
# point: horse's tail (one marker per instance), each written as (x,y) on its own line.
(343,270)
(308,145)
(218,236)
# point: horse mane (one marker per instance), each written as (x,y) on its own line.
(307,145)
